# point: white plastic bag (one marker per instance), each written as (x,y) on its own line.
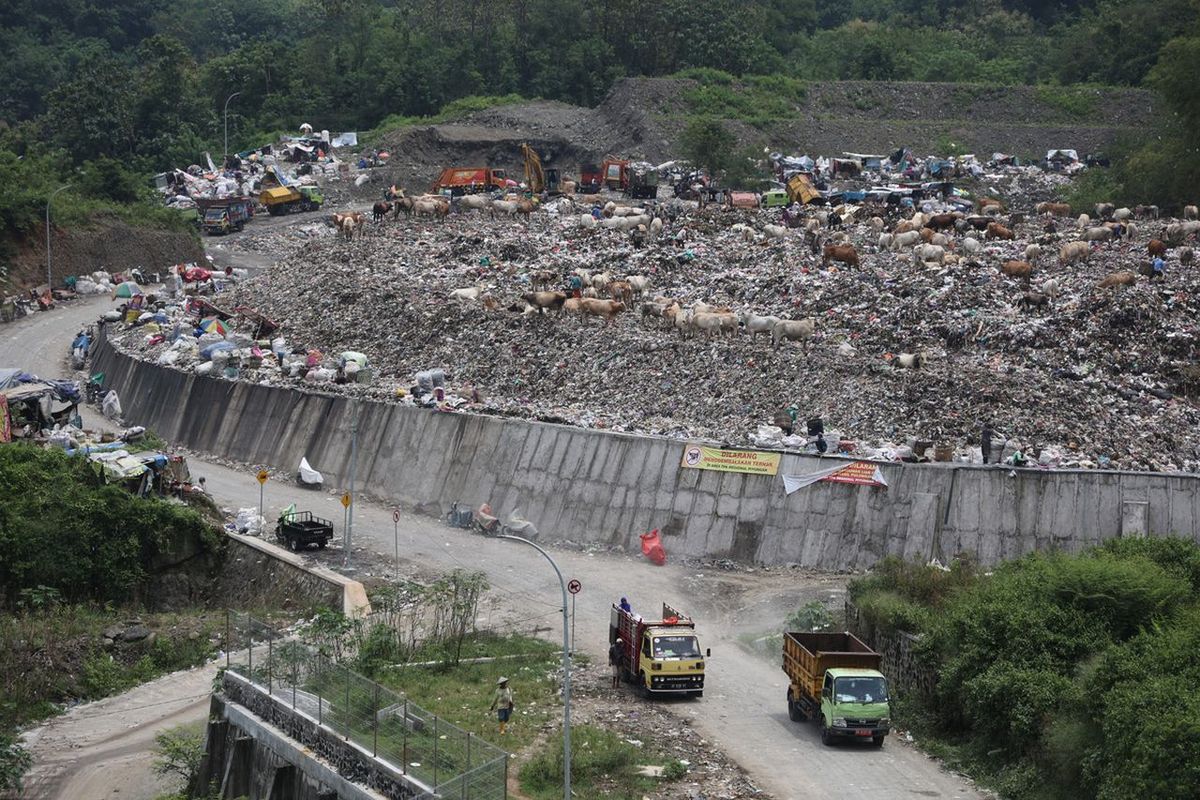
(111,405)
(310,476)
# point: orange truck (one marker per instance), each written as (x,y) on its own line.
(659,656)
(467,180)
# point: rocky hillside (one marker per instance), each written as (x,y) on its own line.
(643,117)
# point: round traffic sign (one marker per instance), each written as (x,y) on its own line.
(574,586)
(262,476)
(395,515)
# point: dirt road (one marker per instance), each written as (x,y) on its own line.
(743,710)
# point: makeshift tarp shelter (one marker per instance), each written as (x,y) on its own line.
(867,160)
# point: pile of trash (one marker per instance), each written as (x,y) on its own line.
(907,356)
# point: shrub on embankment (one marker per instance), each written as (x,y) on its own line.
(1057,676)
(63,530)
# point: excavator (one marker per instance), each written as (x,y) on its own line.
(537,178)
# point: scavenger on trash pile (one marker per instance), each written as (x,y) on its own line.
(920,337)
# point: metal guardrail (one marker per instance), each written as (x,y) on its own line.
(398,733)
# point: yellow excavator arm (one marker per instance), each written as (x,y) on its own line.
(535,177)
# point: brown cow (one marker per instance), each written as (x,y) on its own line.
(621,290)
(941,222)
(380,210)
(1157,247)
(1017,269)
(602,308)
(990,202)
(997,231)
(1054,209)
(844,253)
(1122,278)
(545,300)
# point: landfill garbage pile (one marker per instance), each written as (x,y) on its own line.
(904,351)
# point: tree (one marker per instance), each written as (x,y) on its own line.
(180,751)
(708,143)
(92,115)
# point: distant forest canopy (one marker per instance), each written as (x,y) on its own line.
(145,81)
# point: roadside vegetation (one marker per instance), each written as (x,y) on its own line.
(1058,677)
(77,557)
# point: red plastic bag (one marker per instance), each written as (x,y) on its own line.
(652,548)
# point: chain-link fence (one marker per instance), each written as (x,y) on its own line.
(453,762)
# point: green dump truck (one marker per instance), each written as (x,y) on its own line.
(834,679)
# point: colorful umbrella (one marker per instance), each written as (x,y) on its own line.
(213,325)
(127,289)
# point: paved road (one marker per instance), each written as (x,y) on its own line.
(743,710)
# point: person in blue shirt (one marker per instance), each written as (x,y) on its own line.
(628,609)
(1159,268)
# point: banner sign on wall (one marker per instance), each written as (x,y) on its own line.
(858,473)
(753,462)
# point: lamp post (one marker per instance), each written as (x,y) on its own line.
(49,281)
(225,154)
(566,661)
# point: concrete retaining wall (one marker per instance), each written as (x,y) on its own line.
(592,486)
(257,573)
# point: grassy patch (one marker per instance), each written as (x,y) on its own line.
(55,656)
(755,99)
(602,765)
(450,111)
(1072,101)
(462,694)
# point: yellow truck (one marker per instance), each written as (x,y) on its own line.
(834,678)
(281,198)
(659,656)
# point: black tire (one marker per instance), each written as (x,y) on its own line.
(826,736)
(877,741)
(241,226)
(293,545)
(642,689)
(794,712)
(321,545)
(698,693)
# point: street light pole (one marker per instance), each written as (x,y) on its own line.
(225,154)
(566,662)
(49,280)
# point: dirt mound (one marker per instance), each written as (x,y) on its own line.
(643,118)
(108,245)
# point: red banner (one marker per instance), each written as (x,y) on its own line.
(862,473)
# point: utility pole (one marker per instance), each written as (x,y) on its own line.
(225,154)
(353,475)
(566,664)
(49,280)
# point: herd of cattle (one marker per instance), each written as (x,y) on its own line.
(1058,238)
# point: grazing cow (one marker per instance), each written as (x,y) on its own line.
(1185,255)
(543,278)
(1050,288)
(380,210)
(621,290)
(774,231)
(475,202)
(997,231)
(1074,251)
(600,280)
(1033,252)
(654,308)
(1121,214)
(587,221)
(941,222)
(1032,300)
(1054,209)
(348,225)
(990,206)
(656,226)
(928,253)
(885,240)
(905,226)
(640,284)
(403,205)
(1157,247)
(431,207)
(971,246)
(1146,212)
(1102,234)
(711,323)
(902,241)
(1104,210)
(1191,212)
(755,324)
(1121,278)
(792,330)
(606,309)
(466,295)
(1017,269)
(544,301)
(700,307)
(877,224)
(573,304)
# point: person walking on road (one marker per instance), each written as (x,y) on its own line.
(614,660)
(502,703)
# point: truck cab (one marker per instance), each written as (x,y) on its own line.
(659,656)
(854,704)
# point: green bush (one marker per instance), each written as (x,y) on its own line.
(601,761)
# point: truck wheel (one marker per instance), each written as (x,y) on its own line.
(293,545)
(794,712)
(643,690)
(877,741)
(826,736)
(321,545)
